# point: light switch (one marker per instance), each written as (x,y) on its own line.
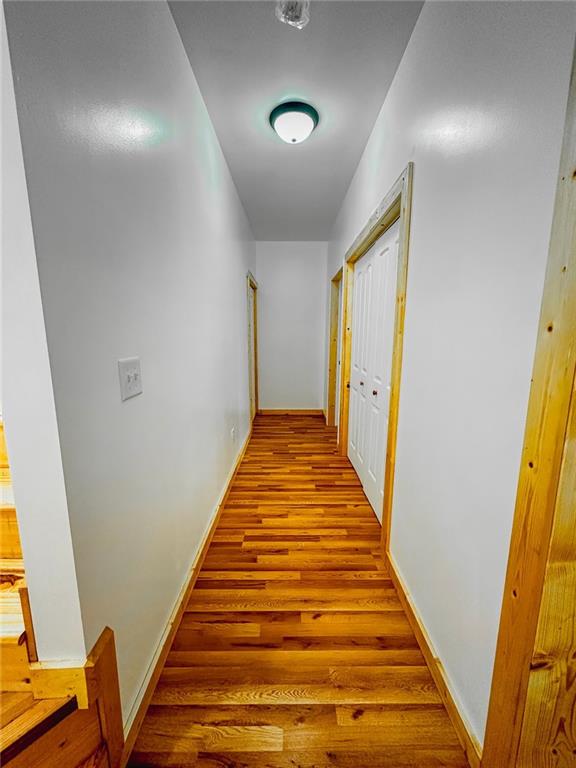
(130,377)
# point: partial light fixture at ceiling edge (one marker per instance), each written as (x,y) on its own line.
(294,121)
(296,13)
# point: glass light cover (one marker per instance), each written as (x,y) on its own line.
(294,127)
(293,12)
(294,121)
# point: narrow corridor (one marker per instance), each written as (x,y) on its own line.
(294,650)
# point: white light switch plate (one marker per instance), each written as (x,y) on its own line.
(130,377)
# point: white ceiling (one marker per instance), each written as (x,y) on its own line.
(246,62)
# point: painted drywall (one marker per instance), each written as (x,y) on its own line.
(478,104)
(29,413)
(142,249)
(291,315)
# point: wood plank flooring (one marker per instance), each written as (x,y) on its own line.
(294,650)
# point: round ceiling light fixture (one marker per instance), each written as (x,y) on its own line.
(294,121)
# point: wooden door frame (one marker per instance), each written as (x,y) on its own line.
(532,692)
(251,284)
(333,351)
(396,206)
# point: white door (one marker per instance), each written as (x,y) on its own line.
(252,348)
(359,364)
(371,371)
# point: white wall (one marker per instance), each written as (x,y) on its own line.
(30,415)
(478,104)
(292,292)
(142,249)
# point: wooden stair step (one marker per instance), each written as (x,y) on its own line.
(13,704)
(28,719)
(11,617)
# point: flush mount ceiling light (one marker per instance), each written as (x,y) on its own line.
(294,121)
(293,12)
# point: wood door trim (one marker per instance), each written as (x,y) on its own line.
(333,350)
(531,647)
(253,285)
(28,624)
(396,206)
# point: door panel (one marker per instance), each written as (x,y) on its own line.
(354,371)
(353,430)
(373,320)
(357,419)
(385,267)
(364,369)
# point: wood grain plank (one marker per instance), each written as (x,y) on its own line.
(294,649)
(13,704)
(392,757)
(315,657)
(70,743)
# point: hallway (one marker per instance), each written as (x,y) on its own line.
(294,650)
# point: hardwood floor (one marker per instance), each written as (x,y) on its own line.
(294,651)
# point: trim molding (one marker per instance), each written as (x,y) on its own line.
(252,280)
(28,624)
(252,285)
(463,730)
(138,711)
(291,412)
(333,350)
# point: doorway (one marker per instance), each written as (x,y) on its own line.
(334,361)
(374,280)
(252,286)
(371,370)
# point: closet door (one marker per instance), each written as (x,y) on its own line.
(374,307)
(359,364)
(381,340)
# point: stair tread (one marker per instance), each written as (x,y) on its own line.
(13,704)
(12,565)
(35,718)
(11,617)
